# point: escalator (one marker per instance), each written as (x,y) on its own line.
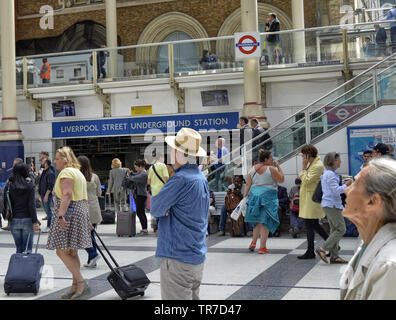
(339,108)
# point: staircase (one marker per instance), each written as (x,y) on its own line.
(339,108)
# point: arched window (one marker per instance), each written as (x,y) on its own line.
(185,55)
(167,27)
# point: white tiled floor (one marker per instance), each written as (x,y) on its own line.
(226,271)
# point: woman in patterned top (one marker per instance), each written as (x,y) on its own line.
(70,231)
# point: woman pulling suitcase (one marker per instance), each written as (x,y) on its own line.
(70,229)
(19,202)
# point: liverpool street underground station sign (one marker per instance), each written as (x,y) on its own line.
(247,45)
(144,125)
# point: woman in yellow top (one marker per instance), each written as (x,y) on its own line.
(70,229)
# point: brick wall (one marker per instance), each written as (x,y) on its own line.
(132,20)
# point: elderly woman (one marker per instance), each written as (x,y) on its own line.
(116,176)
(262,206)
(370,205)
(332,206)
(70,229)
(310,211)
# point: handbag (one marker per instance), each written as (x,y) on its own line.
(9,213)
(318,193)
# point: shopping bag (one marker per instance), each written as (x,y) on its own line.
(240,209)
(132,204)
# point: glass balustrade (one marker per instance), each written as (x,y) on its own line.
(143,62)
(184,56)
(66,69)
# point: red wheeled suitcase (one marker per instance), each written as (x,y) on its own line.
(128,281)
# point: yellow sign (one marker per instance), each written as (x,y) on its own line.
(142,110)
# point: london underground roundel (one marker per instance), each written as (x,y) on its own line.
(247,45)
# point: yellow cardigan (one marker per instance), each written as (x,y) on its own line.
(309,181)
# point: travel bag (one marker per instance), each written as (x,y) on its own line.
(128,281)
(102,203)
(126,221)
(108,215)
(24,272)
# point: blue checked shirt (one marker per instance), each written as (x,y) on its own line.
(331,190)
(182,234)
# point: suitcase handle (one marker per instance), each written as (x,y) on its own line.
(107,195)
(38,240)
(107,250)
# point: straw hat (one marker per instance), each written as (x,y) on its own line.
(187,141)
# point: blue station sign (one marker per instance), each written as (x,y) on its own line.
(145,125)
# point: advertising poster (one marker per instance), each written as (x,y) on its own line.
(361,139)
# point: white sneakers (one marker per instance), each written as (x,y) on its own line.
(92,264)
(45,230)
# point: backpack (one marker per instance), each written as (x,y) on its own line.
(128,184)
(232,199)
(295,203)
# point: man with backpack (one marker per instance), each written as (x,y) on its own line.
(158,175)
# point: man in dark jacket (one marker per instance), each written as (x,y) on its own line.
(46,185)
(272,25)
(380,40)
(245,132)
(258,143)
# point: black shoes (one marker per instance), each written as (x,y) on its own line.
(306,256)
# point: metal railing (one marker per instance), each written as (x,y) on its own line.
(310,110)
(133,67)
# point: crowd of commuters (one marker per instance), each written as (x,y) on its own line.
(182,202)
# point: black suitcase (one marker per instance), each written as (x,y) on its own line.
(24,272)
(108,215)
(128,281)
(102,203)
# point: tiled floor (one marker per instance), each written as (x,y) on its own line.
(231,270)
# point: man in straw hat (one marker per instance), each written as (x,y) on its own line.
(182,207)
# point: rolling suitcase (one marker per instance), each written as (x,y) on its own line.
(24,272)
(126,221)
(128,281)
(102,203)
(108,215)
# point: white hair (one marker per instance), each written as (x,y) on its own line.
(380,178)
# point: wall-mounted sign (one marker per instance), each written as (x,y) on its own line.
(247,45)
(361,139)
(141,110)
(142,125)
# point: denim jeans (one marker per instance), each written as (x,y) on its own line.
(47,209)
(295,221)
(20,230)
(223,220)
(92,252)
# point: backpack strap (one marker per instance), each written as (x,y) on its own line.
(156,173)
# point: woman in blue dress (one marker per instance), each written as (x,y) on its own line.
(262,205)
